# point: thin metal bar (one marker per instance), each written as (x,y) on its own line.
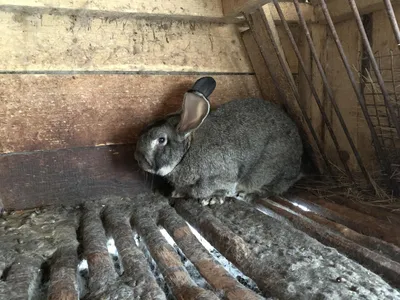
(294,88)
(313,91)
(396,97)
(379,150)
(374,65)
(393,21)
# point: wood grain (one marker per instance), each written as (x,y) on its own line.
(40,112)
(81,42)
(192,9)
(68,177)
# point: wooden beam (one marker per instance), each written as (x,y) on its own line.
(203,10)
(44,112)
(340,10)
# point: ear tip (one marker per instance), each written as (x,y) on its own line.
(205,85)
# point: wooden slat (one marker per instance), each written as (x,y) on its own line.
(169,262)
(137,273)
(376,262)
(353,219)
(372,243)
(68,176)
(191,10)
(42,112)
(59,43)
(211,270)
(340,10)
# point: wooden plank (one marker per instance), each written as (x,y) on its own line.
(340,10)
(68,177)
(81,43)
(41,112)
(190,10)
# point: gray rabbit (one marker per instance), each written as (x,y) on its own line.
(243,149)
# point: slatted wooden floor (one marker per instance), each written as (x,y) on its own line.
(286,245)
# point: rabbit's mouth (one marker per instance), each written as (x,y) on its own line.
(143,162)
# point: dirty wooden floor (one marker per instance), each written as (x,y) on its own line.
(67,251)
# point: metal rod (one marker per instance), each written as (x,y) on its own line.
(329,91)
(396,98)
(292,84)
(313,91)
(374,65)
(379,150)
(393,21)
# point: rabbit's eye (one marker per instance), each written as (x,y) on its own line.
(161,140)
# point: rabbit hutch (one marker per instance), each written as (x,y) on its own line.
(79,80)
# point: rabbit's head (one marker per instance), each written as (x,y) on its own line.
(163,143)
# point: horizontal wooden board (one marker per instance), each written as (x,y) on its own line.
(193,9)
(42,112)
(59,43)
(68,177)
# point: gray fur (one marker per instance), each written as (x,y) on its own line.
(248,147)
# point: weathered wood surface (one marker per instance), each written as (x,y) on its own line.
(68,176)
(375,244)
(169,262)
(215,274)
(372,260)
(190,10)
(40,112)
(137,274)
(81,43)
(302,267)
(351,218)
(63,270)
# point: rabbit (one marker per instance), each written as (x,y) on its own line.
(245,148)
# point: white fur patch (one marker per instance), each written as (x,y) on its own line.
(165,170)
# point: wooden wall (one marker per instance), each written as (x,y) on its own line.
(382,42)
(76,86)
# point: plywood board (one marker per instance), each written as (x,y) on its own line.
(60,43)
(39,112)
(188,9)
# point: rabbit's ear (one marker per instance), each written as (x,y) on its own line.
(195,109)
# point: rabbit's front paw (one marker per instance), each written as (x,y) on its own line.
(212,201)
